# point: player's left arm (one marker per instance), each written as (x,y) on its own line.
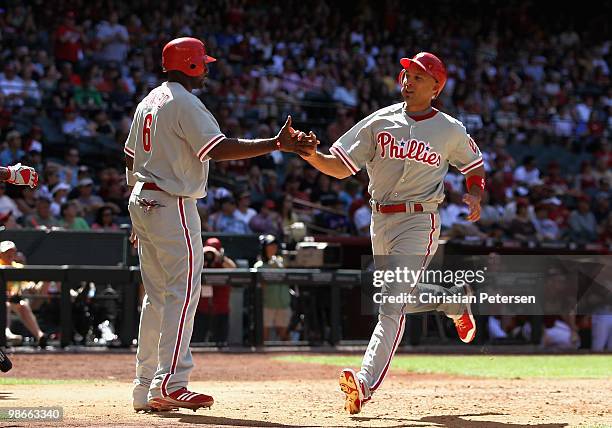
(467,158)
(475,186)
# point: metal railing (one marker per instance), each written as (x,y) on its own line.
(127,279)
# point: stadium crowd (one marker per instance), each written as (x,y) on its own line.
(534,94)
(532,88)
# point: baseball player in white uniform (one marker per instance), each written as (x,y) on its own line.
(406,149)
(172,138)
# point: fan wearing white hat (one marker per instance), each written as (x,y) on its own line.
(15,302)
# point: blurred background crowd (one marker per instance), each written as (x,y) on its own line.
(532,89)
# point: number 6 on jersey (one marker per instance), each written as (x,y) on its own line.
(146,133)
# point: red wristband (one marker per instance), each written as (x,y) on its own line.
(278,144)
(475,180)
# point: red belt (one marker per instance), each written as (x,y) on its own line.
(151,186)
(396,208)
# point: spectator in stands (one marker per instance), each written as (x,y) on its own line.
(605,236)
(349,193)
(31,93)
(333,217)
(113,39)
(322,192)
(103,127)
(489,214)
(308,179)
(75,125)
(604,191)
(554,180)
(7,204)
(244,212)
(256,185)
(292,187)
(87,199)
(225,220)
(560,332)
(69,40)
(114,192)
(362,218)
(527,173)
(212,317)
(87,97)
(522,228)
(267,221)
(276,297)
(59,195)
(35,139)
(287,214)
(8,221)
(15,301)
(13,153)
(344,121)
(42,218)
(601,209)
(26,202)
(582,223)
(105,219)
(452,210)
(586,179)
(11,86)
(50,179)
(69,219)
(547,229)
(602,171)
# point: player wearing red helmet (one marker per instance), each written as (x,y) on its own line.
(407,149)
(172,138)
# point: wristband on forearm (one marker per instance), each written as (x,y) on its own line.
(475,180)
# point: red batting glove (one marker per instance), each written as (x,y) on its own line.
(22,175)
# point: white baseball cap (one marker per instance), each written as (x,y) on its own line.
(7,245)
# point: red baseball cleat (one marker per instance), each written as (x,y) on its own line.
(184,398)
(353,389)
(465,324)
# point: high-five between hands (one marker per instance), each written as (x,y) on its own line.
(297,142)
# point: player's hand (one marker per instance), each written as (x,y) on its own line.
(473,203)
(308,141)
(22,175)
(133,239)
(294,142)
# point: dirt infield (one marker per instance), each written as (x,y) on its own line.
(258,391)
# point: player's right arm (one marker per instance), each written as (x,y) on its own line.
(239,148)
(347,155)
(328,164)
(129,150)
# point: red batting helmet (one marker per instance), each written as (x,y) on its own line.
(185,54)
(430,64)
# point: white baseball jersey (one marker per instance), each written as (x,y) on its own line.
(170,138)
(407,156)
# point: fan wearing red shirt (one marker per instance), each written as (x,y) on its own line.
(68,40)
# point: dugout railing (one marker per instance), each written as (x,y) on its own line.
(127,281)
